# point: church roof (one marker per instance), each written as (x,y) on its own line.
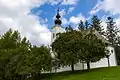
(98,35)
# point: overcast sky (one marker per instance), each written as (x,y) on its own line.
(34,18)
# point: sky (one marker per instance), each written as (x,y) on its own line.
(34,18)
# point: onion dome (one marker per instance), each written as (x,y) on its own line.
(58,21)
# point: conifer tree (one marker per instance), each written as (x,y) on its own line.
(87,25)
(96,24)
(111,34)
(112,31)
(81,25)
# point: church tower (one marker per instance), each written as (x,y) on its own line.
(57,28)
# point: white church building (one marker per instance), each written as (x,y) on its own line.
(81,66)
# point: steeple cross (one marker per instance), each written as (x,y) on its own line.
(58,10)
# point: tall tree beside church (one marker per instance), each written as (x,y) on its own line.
(74,45)
(93,49)
(66,47)
(111,34)
(96,23)
(111,31)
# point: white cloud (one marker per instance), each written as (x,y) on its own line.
(70,9)
(118,22)
(62,13)
(54,1)
(96,8)
(104,22)
(14,14)
(112,6)
(70,2)
(76,19)
(64,21)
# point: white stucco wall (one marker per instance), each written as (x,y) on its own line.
(55,30)
(104,62)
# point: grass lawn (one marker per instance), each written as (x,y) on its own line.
(112,73)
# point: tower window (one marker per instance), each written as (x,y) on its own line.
(53,35)
(111,51)
(106,44)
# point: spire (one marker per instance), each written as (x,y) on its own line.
(58,21)
(58,10)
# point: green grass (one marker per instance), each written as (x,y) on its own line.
(112,73)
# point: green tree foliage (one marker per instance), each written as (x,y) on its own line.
(12,48)
(96,24)
(112,35)
(74,45)
(112,31)
(36,61)
(66,46)
(93,49)
(19,57)
(69,28)
(87,25)
(81,26)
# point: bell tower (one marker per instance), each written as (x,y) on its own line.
(57,28)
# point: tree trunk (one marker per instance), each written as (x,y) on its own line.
(88,66)
(83,66)
(108,62)
(72,66)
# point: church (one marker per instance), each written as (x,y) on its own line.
(57,28)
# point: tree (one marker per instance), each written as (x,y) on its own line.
(12,49)
(18,57)
(36,61)
(87,25)
(81,26)
(107,56)
(112,31)
(66,47)
(93,49)
(112,35)
(69,28)
(96,24)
